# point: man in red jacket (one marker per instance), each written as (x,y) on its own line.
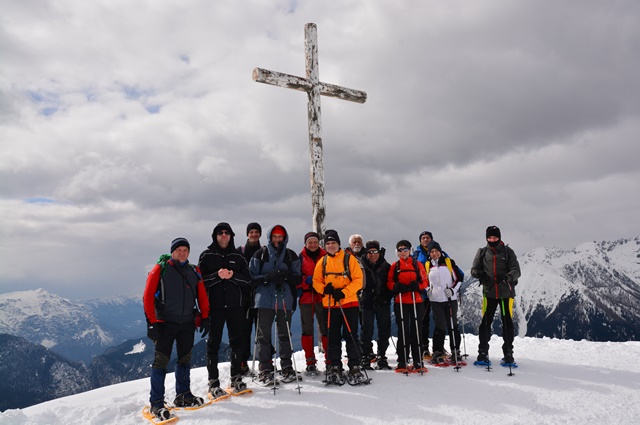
(173,292)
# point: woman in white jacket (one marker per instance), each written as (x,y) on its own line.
(443,295)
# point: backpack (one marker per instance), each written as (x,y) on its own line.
(346,273)
(447,261)
(264,256)
(397,270)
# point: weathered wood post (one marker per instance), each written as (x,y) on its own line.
(314,89)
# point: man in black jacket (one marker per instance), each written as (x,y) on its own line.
(375,302)
(226,275)
(496,267)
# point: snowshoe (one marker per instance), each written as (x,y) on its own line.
(402,368)
(158,414)
(438,359)
(334,376)
(312,370)
(217,394)
(426,354)
(382,364)
(238,388)
(508,361)
(268,378)
(482,360)
(188,401)
(418,368)
(355,377)
(289,375)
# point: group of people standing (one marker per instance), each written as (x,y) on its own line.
(339,292)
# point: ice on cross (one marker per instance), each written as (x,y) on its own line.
(314,89)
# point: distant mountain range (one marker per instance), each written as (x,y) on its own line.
(78,330)
(590,292)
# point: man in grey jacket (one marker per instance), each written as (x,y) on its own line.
(496,267)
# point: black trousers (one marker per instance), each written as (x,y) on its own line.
(337,330)
(489,307)
(235,319)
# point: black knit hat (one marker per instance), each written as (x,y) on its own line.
(425,232)
(372,245)
(434,245)
(254,226)
(493,231)
(311,235)
(404,243)
(178,242)
(222,226)
(331,235)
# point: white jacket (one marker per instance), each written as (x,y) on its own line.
(440,278)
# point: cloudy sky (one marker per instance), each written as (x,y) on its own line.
(125,124)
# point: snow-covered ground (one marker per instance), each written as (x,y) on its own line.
(558,382)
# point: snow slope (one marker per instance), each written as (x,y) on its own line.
(558,382)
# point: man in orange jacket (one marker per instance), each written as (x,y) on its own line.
(340,286)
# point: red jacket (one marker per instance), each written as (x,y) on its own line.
(405,275)
(307,295)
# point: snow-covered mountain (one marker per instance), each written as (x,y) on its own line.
(558,382)
(590,292)
(78,330)
(31,373)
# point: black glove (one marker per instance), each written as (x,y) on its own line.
(153,331)
(271,275)
(328,290)
(414,286)
(506,281)
(401,288)
(338,295)
(205,327)
(481,275)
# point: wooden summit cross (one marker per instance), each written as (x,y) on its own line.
(314,89)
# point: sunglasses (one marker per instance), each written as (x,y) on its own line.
(373,251)
(403,249)
(223,232)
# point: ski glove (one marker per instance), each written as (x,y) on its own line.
(205,327)
(414,286)
(338,295)
(429,291)
(448,292)
(309,280)
(272,275)
(328,290)
(401,288)
(153,331)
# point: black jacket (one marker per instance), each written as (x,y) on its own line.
(224,293)
(376,292)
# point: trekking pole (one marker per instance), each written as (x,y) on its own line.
(452,335)
(464,341)
(353,339)
(326,366)
(255,342)
(295,368)
(508,334)
(404,338)
(275,345)
(415,314)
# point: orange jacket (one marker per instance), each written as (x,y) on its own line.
(407,274)
(333,276)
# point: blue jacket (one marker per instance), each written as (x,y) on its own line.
(280,258)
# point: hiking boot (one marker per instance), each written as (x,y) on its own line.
(244,369)
(401,367)
(455,357)
(482,357)
(426,354)
(438,358)
(237,385)
(508,359)
(215,391)
(267,378)
(188,400)
(312,369)
(160,412)
(365,362)
(334,376)
(289,375)
(383,364)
